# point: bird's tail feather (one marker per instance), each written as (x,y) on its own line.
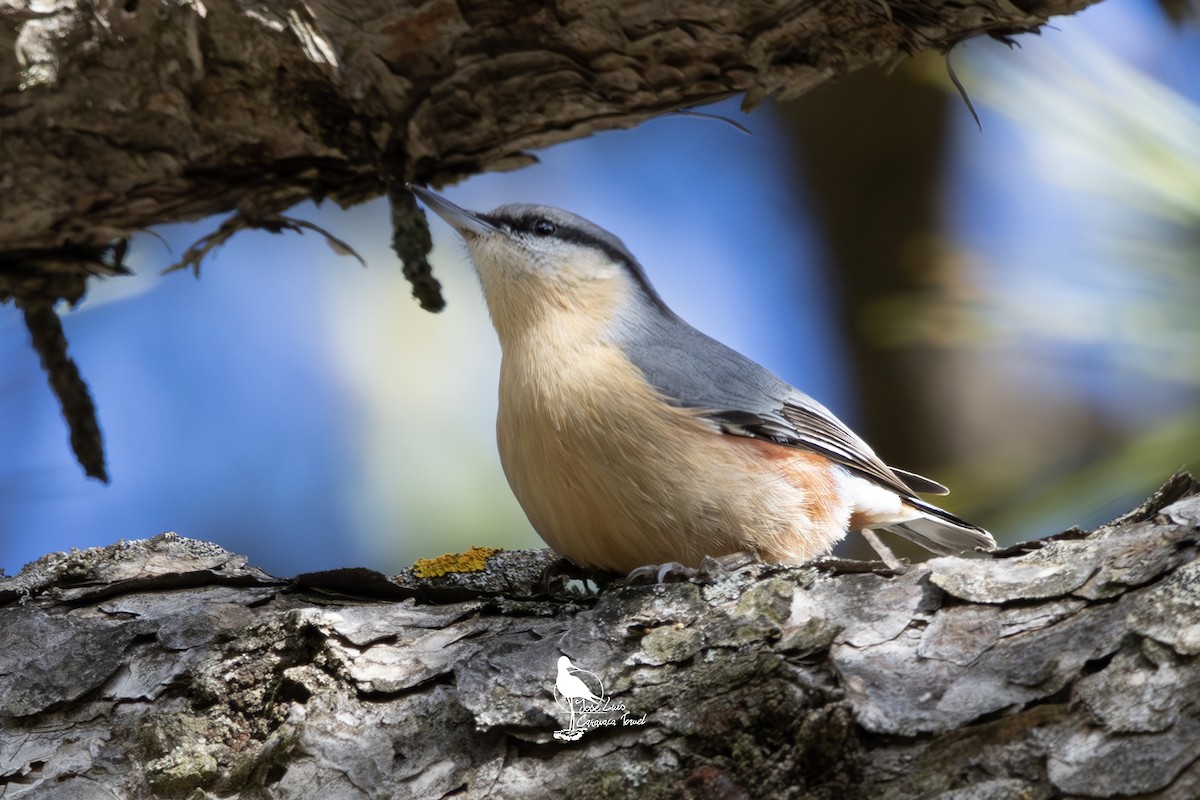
(940,531)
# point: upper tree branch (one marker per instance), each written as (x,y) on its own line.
(115,117)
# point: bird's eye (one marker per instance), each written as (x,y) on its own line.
(544,227)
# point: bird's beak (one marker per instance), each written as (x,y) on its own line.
(463,221)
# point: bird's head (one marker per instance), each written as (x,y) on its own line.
(538,263)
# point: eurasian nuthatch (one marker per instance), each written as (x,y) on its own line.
(631,438)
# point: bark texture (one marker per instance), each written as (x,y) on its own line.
(169,668)
(115,117)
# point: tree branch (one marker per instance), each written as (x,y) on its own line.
(169,668)
(118,117)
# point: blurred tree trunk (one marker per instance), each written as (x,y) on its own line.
(169,668)
(872,151)
(872,148)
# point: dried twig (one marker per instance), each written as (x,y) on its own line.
(240,221)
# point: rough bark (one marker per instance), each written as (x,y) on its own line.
(169,668)
(116,117)
(121,116)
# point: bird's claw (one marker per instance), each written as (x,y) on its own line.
(712,566)
(659,573)
(674,572)
(559,576)
(893,562)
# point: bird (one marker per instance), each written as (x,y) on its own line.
(630,438)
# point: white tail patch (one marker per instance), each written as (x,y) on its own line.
(873,506)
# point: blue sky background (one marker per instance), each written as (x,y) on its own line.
(297,408)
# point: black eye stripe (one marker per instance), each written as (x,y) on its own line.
(538,226)
(566,232)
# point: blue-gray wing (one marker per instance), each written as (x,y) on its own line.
(693,370)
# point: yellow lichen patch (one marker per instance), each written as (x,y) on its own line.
(474,560)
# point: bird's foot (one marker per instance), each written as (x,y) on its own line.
(674,572)
(660,573)
(564,576)
(894,563)
(712,566)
